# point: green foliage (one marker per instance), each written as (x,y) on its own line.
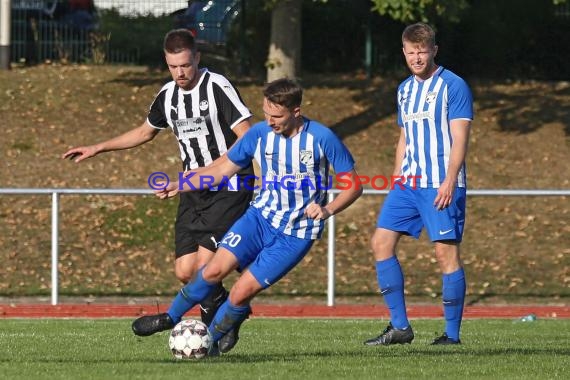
(426,10)
(135,39)
(420,10)
(285,349)
(519,39)
(514,39)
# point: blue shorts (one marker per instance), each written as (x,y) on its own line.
(408,210)
(265,251)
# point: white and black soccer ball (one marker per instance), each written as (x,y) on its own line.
(190,339)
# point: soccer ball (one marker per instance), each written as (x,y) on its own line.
(190,339)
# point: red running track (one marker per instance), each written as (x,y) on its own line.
(271,310)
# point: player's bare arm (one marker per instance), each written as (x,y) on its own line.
(135,137)
(241,128)
(460,134)
(343,200)
(400,151)
(224,168)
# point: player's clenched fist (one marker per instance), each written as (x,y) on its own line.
(315,211)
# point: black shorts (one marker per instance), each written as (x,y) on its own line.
(204,217)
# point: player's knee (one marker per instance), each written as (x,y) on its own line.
(213,273)
(447,256)
(239,296)
(380,248)
(185,268)
(373,243)
(182,275)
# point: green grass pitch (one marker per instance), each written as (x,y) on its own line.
(286,349)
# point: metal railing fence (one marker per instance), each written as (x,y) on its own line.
(56,193)
(110,31)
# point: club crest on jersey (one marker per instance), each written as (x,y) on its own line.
(203,105)
(430,97)
(306,157)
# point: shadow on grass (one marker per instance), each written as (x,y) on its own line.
(527,108)
(372,353)
(522,109)
(137,78)
(377,99)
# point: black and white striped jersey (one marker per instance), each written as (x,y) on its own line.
(201,119)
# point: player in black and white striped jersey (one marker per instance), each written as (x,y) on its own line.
(206,115)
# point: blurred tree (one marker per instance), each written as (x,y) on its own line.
(284,59)
(425,10)
(285,37)
(420,10)
(284,56)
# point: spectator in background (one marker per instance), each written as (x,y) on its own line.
(187,19)
(81,15)
(33,12)
(192,10)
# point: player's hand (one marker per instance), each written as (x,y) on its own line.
(315,211)
(444,195)
(169,191)
(80,153)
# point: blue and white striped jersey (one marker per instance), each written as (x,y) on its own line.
(425,109)
(294,173)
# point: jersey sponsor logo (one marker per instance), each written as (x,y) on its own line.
(272,175)
(191,128)
(416,116)
(203,105)
(430,97)
(295,181)
(306,157)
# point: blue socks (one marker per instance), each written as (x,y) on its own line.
(191,294)
(227,317)
(454,287)
(391,284)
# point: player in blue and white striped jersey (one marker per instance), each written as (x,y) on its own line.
(435,110)
(295,172)
(279,228)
